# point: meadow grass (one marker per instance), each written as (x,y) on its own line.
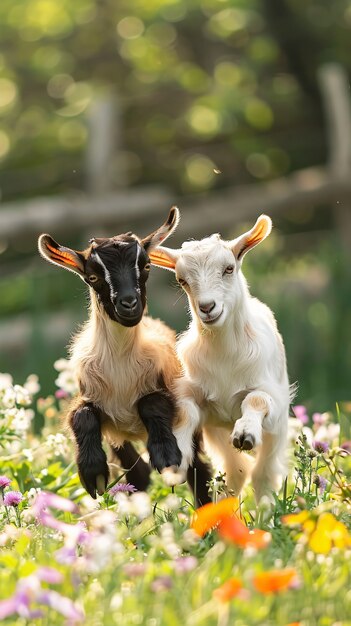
(133,558)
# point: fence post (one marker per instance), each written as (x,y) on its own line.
(104,141)
(335,87)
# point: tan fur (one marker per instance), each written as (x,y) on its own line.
(115,366)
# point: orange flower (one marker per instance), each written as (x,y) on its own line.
(236,532)
(228,590)
(210,515)
(274,581)
(294,624)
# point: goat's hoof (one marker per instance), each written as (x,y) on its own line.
(245,441)
(100,484)
(173,476)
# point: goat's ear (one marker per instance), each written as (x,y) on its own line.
(252,238)
(158,236)
(164,257)
(60,255)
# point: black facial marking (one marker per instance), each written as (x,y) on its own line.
(116,271)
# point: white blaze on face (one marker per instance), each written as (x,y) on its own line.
(107,275)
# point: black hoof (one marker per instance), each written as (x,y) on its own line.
(94,475)
(244,442)
(164,454)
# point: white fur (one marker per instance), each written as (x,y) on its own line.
(235,366)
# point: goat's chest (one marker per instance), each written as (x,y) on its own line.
(223,384)
(116,385)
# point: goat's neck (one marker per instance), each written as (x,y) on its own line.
(117,337)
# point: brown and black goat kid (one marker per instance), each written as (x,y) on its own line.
(126,365)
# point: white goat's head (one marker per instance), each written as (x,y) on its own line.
(208,270)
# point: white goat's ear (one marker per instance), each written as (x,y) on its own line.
(164,257)
(158,236)
(252,238)
(60,255)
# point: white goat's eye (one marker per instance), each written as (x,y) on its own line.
(229,269)
(92,278)
(147,267)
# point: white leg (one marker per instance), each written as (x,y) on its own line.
(247,432)
(184,433)
(235,464)
(270,466)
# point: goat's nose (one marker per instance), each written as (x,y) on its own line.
(129,302)
(207,307)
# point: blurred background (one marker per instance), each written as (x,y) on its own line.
(111,112)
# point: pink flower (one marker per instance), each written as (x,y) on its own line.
(300,413)
(185,564)
(4,482)
(12,498)
(320,446)
(122,487)
(134,569)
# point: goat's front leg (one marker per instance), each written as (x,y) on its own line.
(91,458)
(157,412)
(247,432)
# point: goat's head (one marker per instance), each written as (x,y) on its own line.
(208,270)
(115,268)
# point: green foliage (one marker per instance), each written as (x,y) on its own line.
(133,559)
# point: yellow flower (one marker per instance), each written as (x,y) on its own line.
(323,532)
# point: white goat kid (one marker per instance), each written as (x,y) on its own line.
(233,358)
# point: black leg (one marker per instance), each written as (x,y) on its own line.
(91,458)
(138,473)
(198,475)
(157,411)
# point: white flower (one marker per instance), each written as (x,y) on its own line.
(61,364)
(141,504)
(328,433)
(57,444)
(22,421)
(23,397)
(125,506)
(8,400)
(172,502)
(32,494)
(66,381)
(32,384)
(6,380)
(116,601)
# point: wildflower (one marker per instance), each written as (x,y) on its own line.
(162,583)
(210,515)
(320,446)
(320,418)
(301,414)
(122,487)
(323,532)
(5,381)
(12,498)
(4,482)
(141,504)
(275,581)
(184,564)
(320,482)
(346,445)
(134,569)
(29,591)
(236,532)
(32,384)
(228,590)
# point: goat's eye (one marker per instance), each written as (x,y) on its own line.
(182,282)
(229,269)
(92,278)
(147,267)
